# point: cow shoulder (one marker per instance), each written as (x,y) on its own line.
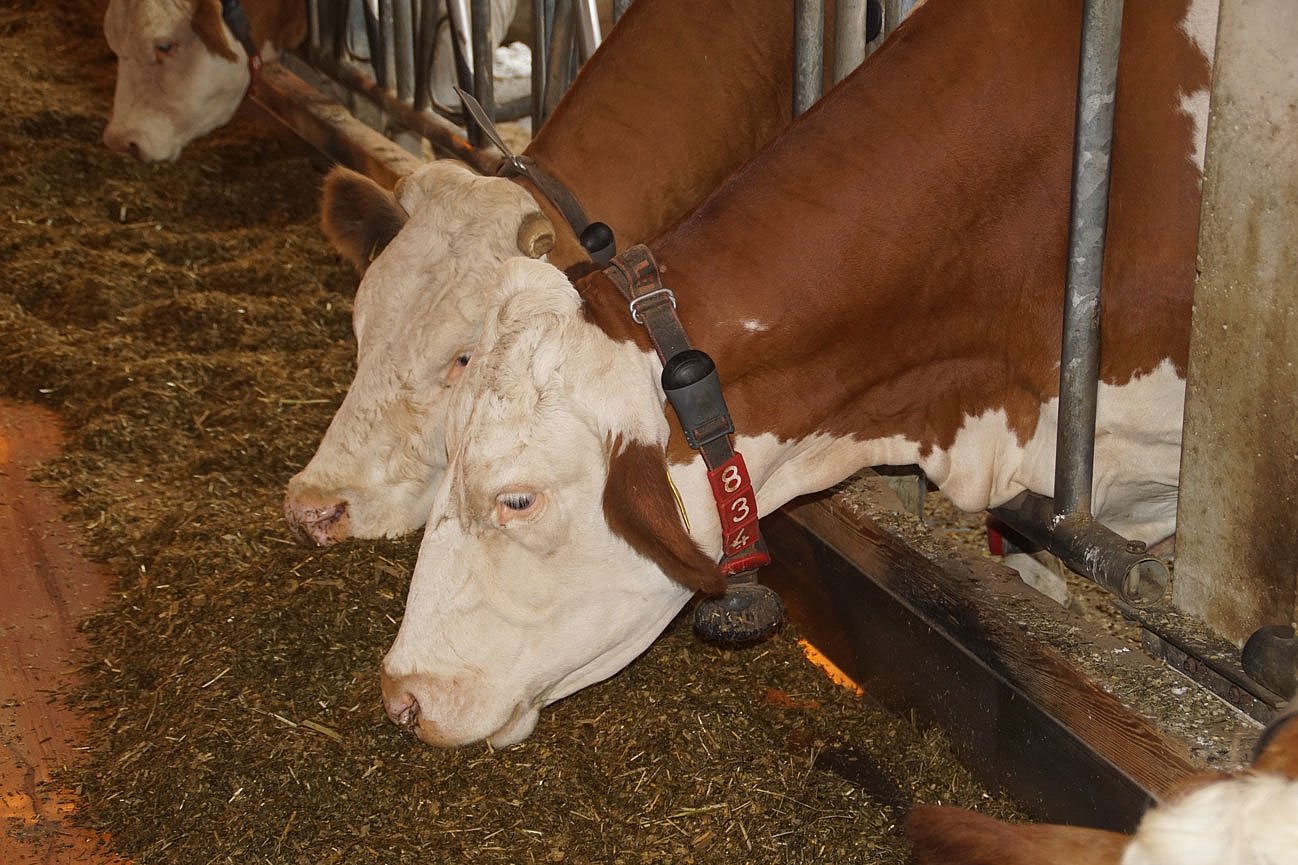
(358,216)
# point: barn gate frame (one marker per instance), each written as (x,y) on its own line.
(1023,716)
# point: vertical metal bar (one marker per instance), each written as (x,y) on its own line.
(388,35)
(425,46)
(374,36)
(484,62)
(849,37)
(808,53)
(404,54)
(542,22)
(587,29)
(457,12)
(619,9)
(1079,360)
(313,25)
(561,39)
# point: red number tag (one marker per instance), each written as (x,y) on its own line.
(737,506)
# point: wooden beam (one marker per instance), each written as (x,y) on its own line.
(949,639)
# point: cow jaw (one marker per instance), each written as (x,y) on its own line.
(171,87)
(507,614)
(417,315)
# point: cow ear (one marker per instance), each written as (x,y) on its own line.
(358,217)
(210,27)
(942,835)
(1277,749)
(641,508)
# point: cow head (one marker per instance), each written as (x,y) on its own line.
(180,74)
(428,252)
(554,552)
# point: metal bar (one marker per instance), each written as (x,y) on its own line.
(619,9)
(1080,357)
(425,46)
(484,62)
(404,54)
(313,25)
(561,39)
(1087,546)
(389,38)
(808,53)
(374,37)
(542,22)
(444,136)
(587,29)
(849,37)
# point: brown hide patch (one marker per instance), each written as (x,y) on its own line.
(282,24)
(640,508)
(358,217)
(210,28)
(943,836)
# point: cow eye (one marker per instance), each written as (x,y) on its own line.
(162,50)
(517,501)
(456,367)
(516,505)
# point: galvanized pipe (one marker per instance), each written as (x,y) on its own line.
(1079,363)
(388,34)
(587,29)
(404,54)
(542,24)
(441,134)
(374,38)
(808,53)
(484,65)
(849,37)
(1087,546)
(559,64)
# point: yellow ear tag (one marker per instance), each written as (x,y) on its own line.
(680,505)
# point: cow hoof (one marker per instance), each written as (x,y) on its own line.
(746,613)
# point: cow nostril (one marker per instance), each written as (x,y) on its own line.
(134,149)
(404,711)
(316,523)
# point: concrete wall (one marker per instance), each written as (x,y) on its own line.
(1237,535)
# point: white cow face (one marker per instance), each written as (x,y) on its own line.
(417,315)
(180,74)
(554,553)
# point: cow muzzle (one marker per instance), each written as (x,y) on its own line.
(316,519)
(411,700)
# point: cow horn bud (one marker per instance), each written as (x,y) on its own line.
(535,235)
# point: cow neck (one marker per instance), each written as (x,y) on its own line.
(595,238)
(615,139)
(917,280)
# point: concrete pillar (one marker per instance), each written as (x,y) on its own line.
(1237,534)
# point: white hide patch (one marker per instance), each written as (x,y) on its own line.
(1200,25)
(420,305)
(1251,820)
(753,325)
(1137,457)
(1137,462)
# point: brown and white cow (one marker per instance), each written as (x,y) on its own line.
(641,136)
(182,71)
(1244,818)
(882,285)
